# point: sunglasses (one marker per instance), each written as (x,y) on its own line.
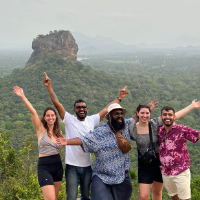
(165,138)
(117,114)
(79,107)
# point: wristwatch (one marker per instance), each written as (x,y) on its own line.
(119,99)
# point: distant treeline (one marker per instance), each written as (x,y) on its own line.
(172,79)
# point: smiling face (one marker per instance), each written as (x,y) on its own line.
(143,115)
(168,117)
(50,117)
(81,110)
(117,119)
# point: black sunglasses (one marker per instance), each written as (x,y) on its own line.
(165,138)
(117,114)
(79,107)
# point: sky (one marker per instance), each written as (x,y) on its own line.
(125,21)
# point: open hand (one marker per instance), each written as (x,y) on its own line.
(62,141)
(195,104)
(18,91)
(153,104)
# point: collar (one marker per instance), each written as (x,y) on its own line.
(173,127)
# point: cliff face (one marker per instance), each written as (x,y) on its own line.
(61,42)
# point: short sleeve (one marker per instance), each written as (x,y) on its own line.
(129,121)
(157,121)
(67,118)
(96,119)
(131,129)
(190,134)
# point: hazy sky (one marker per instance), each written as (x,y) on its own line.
(126,21)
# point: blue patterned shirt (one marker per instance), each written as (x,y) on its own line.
(110,163)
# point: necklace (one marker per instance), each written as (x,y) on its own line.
(143,127)
(50,134)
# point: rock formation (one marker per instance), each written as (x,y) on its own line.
(61,42)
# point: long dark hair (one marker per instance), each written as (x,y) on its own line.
(56,127)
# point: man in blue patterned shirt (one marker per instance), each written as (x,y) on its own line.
(110,179)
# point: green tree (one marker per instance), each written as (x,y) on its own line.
(18,179)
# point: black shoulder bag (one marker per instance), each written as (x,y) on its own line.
(150,155)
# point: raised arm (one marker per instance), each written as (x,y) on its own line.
(184,111)
(122,94)
(54,99)
(34,116)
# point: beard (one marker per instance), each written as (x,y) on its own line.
(81,116)
(117,125)
(168,124)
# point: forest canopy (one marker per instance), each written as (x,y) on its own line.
(171,77)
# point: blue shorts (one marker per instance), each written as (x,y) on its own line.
(50,170)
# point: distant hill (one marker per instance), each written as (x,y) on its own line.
(71,80)
(98,44)
(105,45)
(174,82)
(171,77)
(186,41)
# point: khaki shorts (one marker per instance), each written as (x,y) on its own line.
(178,184)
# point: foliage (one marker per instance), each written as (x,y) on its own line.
(40,36)
(195,189)
(17,176)
(134,185)
(172,77)
(12,60)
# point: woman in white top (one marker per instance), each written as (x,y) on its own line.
(50,170)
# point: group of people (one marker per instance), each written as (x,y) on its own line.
(109,176)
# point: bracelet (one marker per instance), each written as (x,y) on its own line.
(119,99)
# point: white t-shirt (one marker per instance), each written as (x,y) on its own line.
(74,154)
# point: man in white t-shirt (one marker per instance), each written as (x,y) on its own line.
(78,163)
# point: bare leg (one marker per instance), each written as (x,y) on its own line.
(57,186)
(175,197)
(49,192)
(144,191)
(157,190)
